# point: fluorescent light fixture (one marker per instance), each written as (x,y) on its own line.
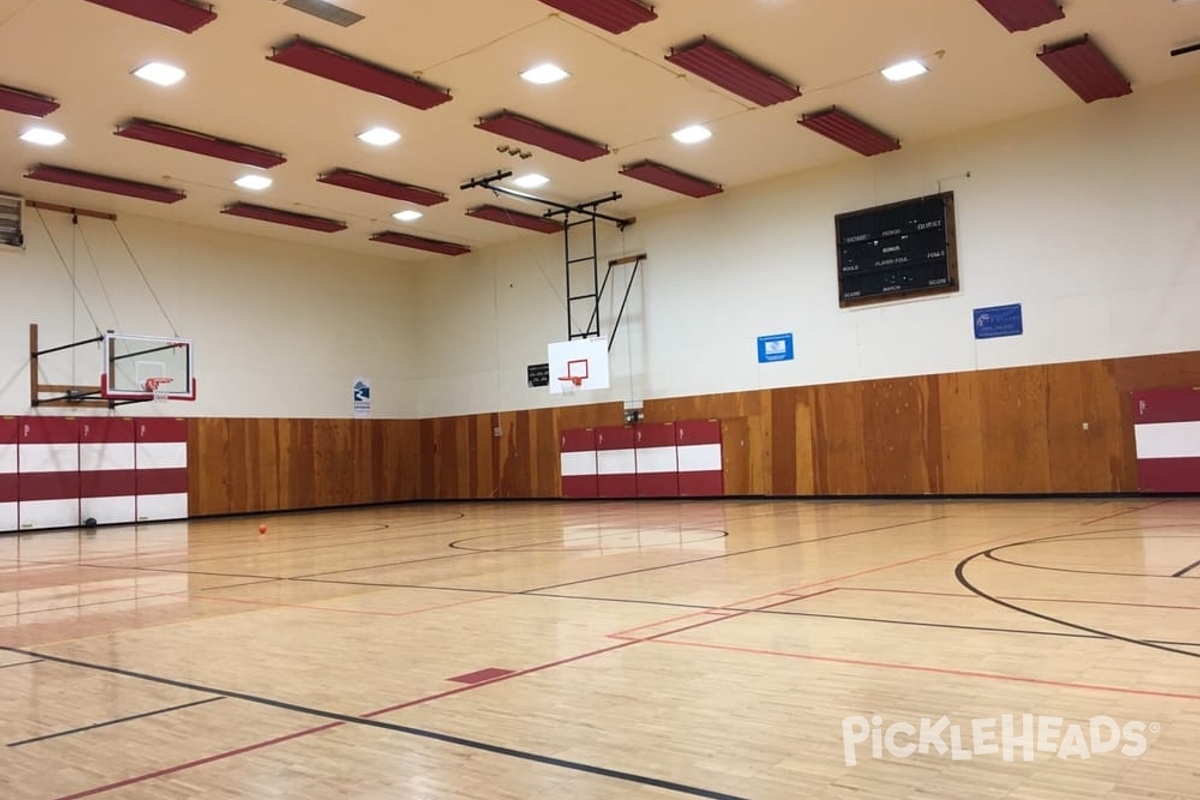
(43,136)
(408,215)
(254,182)
(904,70)
(545,73)
(380,137)
(531,181)
(691,134)
(160,73)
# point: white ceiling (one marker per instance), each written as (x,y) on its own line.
(622,93)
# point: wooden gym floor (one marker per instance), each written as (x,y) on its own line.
(720,649)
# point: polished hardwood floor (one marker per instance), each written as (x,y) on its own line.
(718,649)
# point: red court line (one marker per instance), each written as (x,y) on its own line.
(789,591)
(579,657)
(1025,599)
(197,762)
(342,610)
(962,673)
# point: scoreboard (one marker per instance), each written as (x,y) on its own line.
(897,250)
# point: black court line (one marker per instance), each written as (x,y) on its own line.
(845,617)
(20,663)
(960,574)
(365,528)
(257,582)
(113,722)
(1123,513)
(576,766)
(751,551)
(1181,573)
(1047,568)
(317,576)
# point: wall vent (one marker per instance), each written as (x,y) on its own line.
(10,222)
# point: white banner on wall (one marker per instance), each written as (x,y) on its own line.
(361,392)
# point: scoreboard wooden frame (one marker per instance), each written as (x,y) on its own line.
(898,250)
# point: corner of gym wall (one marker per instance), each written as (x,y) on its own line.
(279,329)
(485,317)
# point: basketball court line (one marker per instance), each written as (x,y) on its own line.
(21,663)
(118,721)
(314,576)
(1183,572)
(1047,568)
(964,673)
(95,790)
(102,562)
(338,719)
(960,574)
(1126,511)
(751,551)
(1026,599)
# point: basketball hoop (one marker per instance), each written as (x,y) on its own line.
(570,383)
(157,387)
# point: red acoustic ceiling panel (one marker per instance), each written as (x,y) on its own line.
(537,134)
(23,102)
(1021,15)
(614,16)
(333,65)
(181,15)
(421,243)
(361,182)
(673,179)
(517,219)
(1084,67)
(846,130)
(201,143)
(730,71)
(281,217)
(104,183)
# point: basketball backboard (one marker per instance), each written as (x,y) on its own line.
(146,368)
(580,364)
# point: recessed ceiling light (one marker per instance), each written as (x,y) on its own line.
(691,134)
(380,137)
(43,136)
(531,181)
(545,73)
(407,215)
(160,73)
(904,70)
(253,182)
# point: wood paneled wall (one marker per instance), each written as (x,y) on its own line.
(243,465)
(1018,430)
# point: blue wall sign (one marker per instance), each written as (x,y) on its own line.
(998,321)
(776,347)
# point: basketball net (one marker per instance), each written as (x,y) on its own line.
(158,389)
(569,383)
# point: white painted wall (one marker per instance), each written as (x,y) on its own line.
(1089,217)
(279,329)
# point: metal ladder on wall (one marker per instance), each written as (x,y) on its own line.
(583,283)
